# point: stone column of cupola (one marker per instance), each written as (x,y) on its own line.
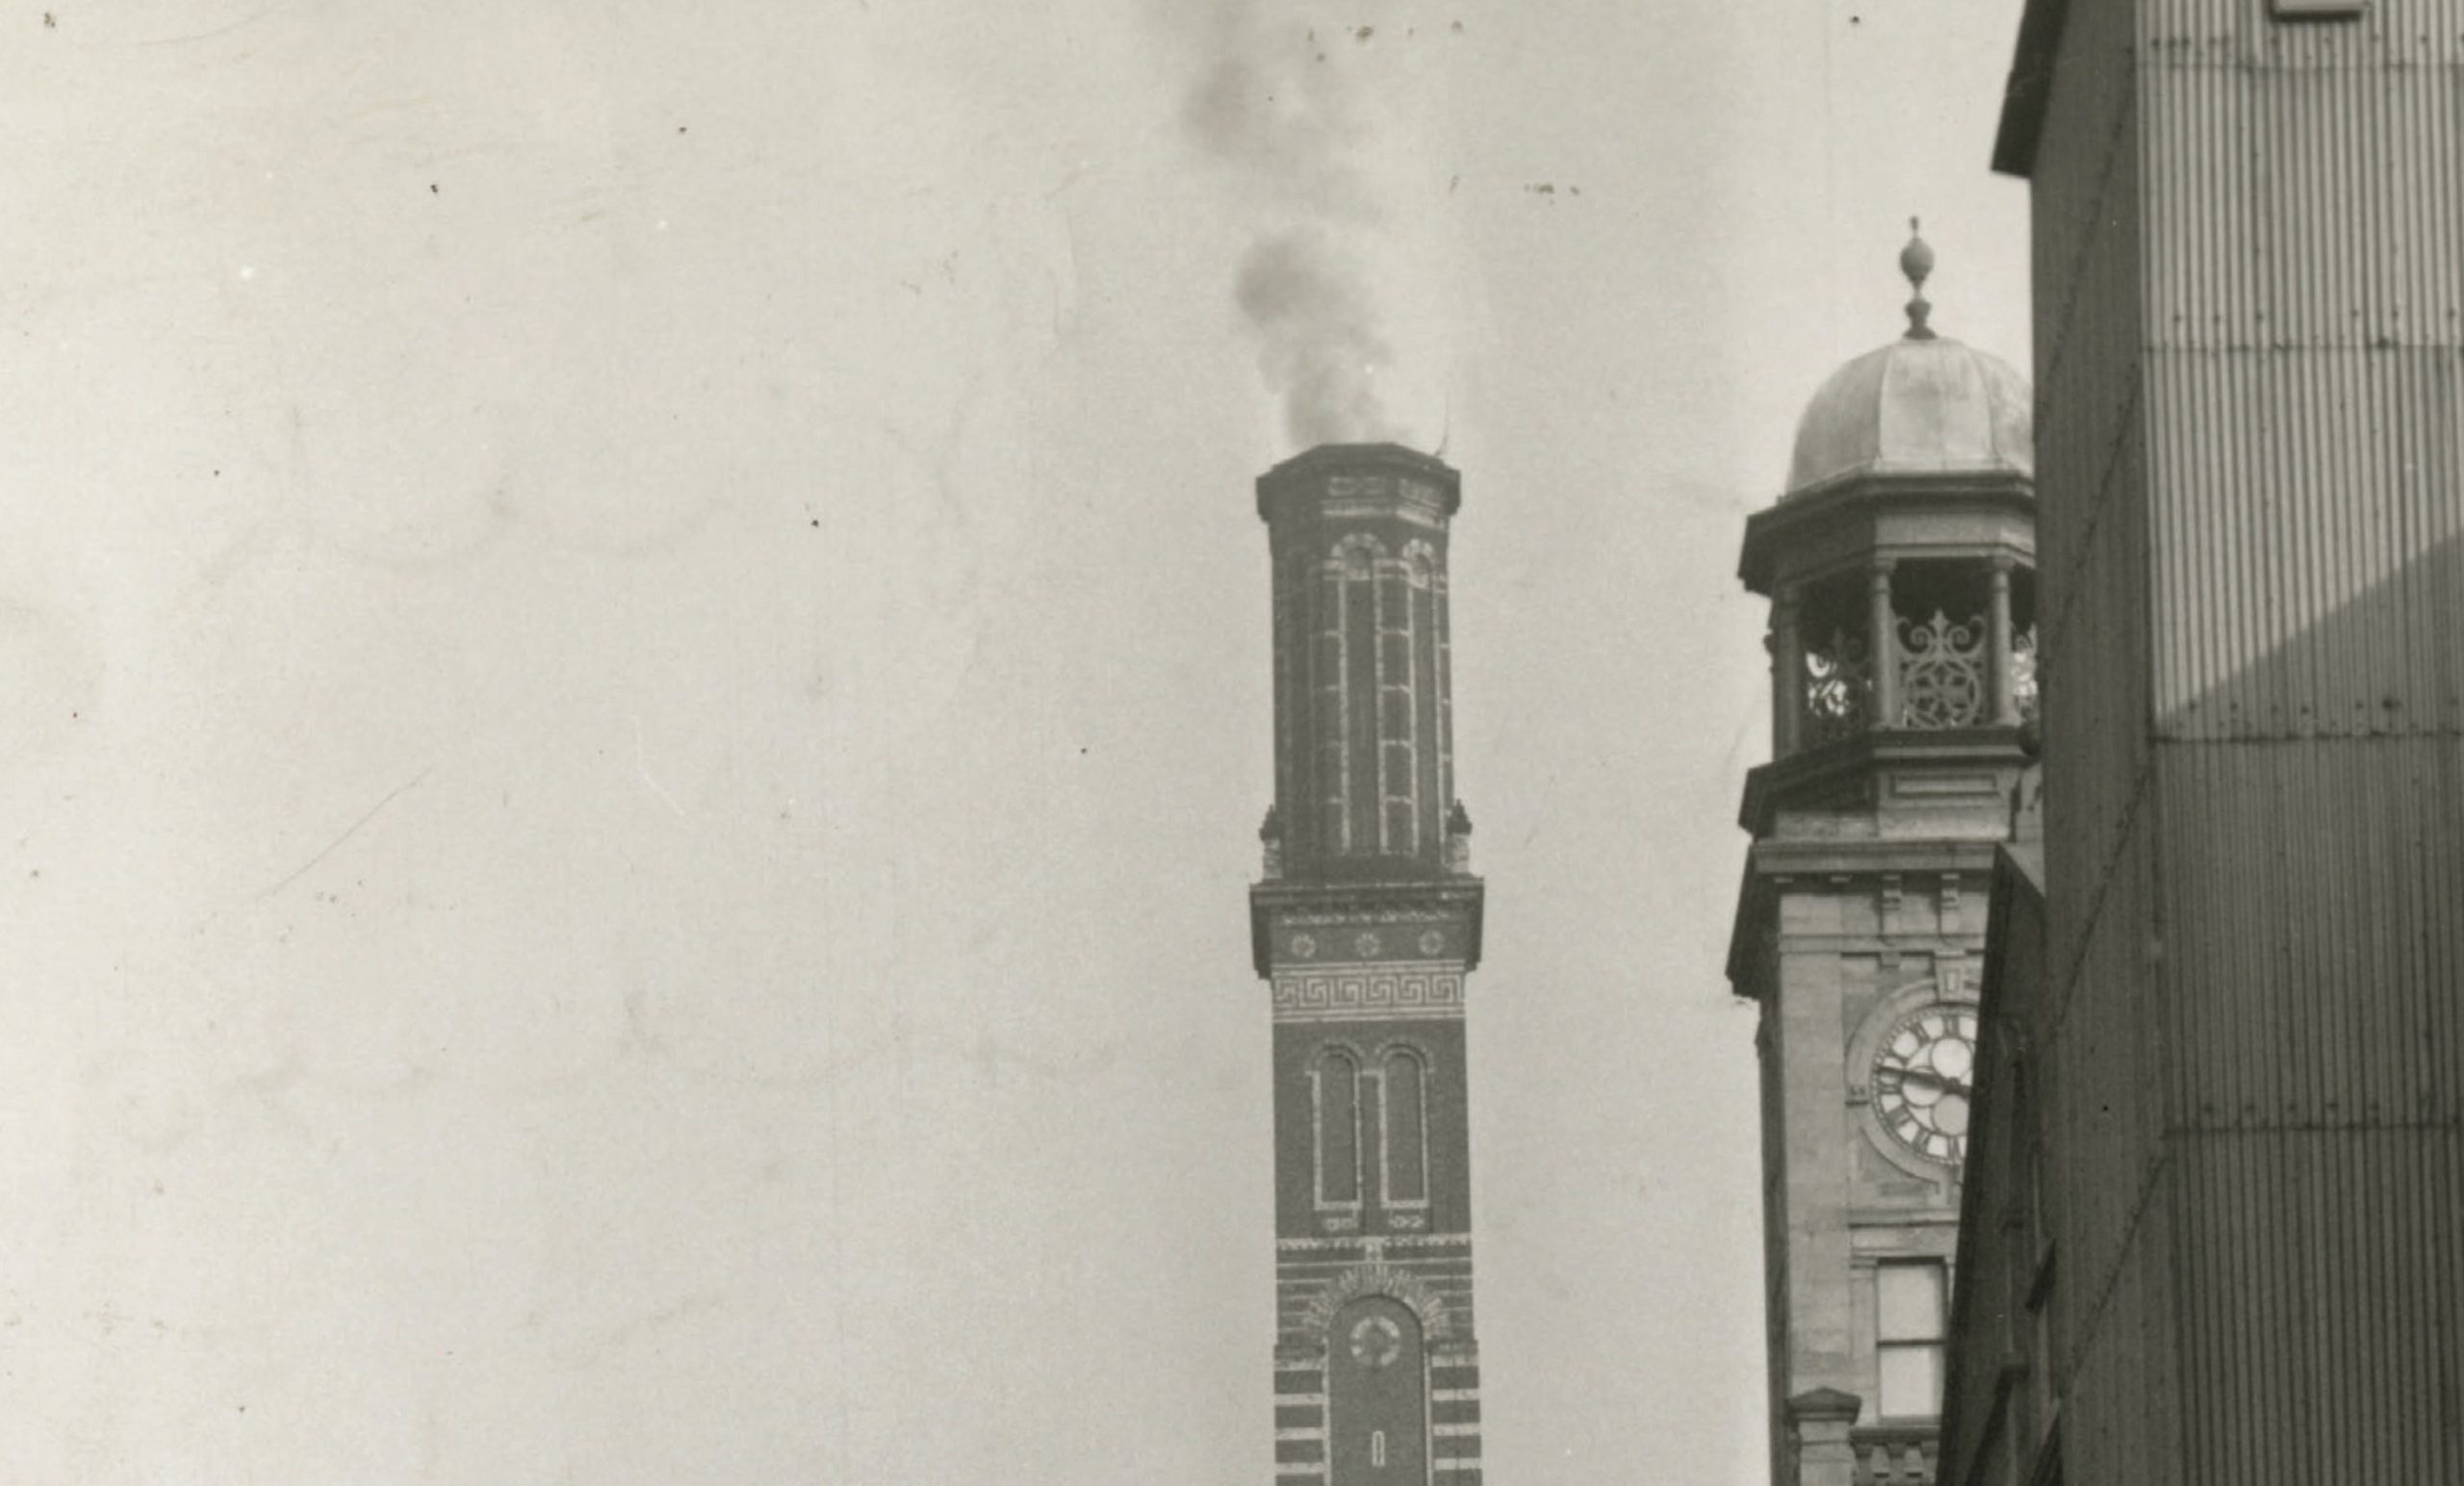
(1787,647)
(2002,698)
(1882,623)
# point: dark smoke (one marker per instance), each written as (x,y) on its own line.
(1277,101)
(1320,346)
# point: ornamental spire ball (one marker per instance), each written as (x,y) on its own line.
(1922,402)
(1916,261)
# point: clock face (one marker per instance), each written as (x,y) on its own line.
(1922,1081)
(1375,1341)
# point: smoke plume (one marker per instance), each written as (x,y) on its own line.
(1295,106)
(1321,344)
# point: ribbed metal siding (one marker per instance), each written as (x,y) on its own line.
(2305,208)
(2252,1080)
(2314,967)
(2320,1307)
(2306,307)
(2244,34)
(2315,952)
(2308,496)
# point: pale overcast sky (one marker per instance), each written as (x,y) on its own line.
(635,646)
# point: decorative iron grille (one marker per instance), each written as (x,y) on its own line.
(2023,673)
(1838,688)
(1941,673)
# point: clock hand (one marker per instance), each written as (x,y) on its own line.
(1944,1081)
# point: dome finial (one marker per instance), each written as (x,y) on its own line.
(1916,261)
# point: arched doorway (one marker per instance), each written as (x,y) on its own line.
(1377,1395)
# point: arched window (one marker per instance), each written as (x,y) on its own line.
(1429,799)
(1329,665)
(1397,713)
(1404,1128)
(1347,699)
(1335,1095)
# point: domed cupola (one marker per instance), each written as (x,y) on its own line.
(1921,405)
(1900,564)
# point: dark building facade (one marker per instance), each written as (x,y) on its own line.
(2220,1243)
(2000,1412)
(1366,927)
(1900,566)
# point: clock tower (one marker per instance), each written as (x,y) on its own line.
(1900,566)
(1365,927)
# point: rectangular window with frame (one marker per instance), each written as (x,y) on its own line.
(1911,1313)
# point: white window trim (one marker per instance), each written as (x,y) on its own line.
(1385,1128)
(1318,1139)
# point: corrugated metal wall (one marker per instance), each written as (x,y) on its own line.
(2314,974)
(2250,350)
(2304,304)
(2349,629)
(2316,956)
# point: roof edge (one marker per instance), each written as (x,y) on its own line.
(1882,467)
(1360,459)
(1844,498)
(1373,453)
(2030,87)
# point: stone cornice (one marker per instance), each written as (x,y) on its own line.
(1832,767)
(1401,478)
(1772,866)
(1266,899)
(1853,503)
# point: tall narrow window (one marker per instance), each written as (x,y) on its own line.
(1346,686)
(1404,1126)
(1328,666)
(1338,1105)
(1289,708)
(1362,805)
(1910,1338)
(1397,713)
(1428,783)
